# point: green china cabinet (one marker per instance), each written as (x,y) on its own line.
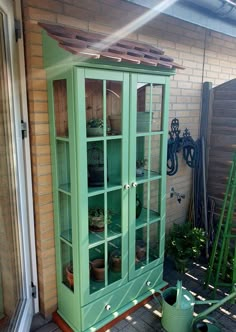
(108,127)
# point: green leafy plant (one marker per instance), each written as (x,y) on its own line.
(95,123)
(96,217)
(184,243)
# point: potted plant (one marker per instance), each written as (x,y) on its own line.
(115,261)
(140,163)
(184,243)
(69,274)
(95,127)
(96,218)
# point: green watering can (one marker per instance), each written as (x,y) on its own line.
(178,307)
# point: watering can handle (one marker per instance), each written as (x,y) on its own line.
(157,298)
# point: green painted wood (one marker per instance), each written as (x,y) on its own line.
(80,308)
(67,299)
(126,295)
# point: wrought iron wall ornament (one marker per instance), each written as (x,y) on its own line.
(176,144)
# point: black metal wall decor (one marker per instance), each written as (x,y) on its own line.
(176,144)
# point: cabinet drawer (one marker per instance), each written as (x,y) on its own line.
(113,304)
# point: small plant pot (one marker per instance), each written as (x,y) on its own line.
(139,171)
(98,269)
(96,224)
(181,264)
(70,275)
(92,132)
(115,261)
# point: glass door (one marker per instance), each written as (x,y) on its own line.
(106,118)
(16,304)
(148,143)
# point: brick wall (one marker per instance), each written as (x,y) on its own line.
(205,54)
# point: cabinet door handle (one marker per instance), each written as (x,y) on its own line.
(134,184)
(127,186)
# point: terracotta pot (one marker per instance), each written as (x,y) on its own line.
(98,269)
(96,224)
(70,275)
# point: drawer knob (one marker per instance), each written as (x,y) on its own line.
(148,283)
(107,307)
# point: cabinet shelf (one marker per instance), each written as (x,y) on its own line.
(62,139)
(67,235)
(92,191)
(65,188)
(66,241)
(113,232)
(145,176)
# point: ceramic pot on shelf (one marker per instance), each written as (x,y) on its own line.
(98,269)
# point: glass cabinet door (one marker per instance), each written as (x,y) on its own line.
(147,181)
(105,232)
(61,101)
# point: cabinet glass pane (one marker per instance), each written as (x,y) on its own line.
(103,107)
(60,108)
(115,209)
(154,200)
(154,239)
(63,165)
(114,162)
(155,155)
(115,260)
(141,247)
(142,148)
(98,217)
(149,107)
(155,100)
(67,265)
(98,270)
(96,164)
(65,216)
(147,203)
(114,106)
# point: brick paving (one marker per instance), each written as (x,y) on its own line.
(148,317)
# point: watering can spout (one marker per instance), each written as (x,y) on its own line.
(179,294)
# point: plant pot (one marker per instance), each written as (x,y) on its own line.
(115,261)
(91,132)
(98,269)
(139,171)
(181,264)
(96,224)
(70,275)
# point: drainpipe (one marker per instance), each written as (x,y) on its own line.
(221,8)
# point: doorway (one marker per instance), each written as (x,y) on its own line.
(16,302)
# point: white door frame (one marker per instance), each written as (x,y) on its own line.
(18,106)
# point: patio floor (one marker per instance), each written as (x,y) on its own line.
(148,317)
